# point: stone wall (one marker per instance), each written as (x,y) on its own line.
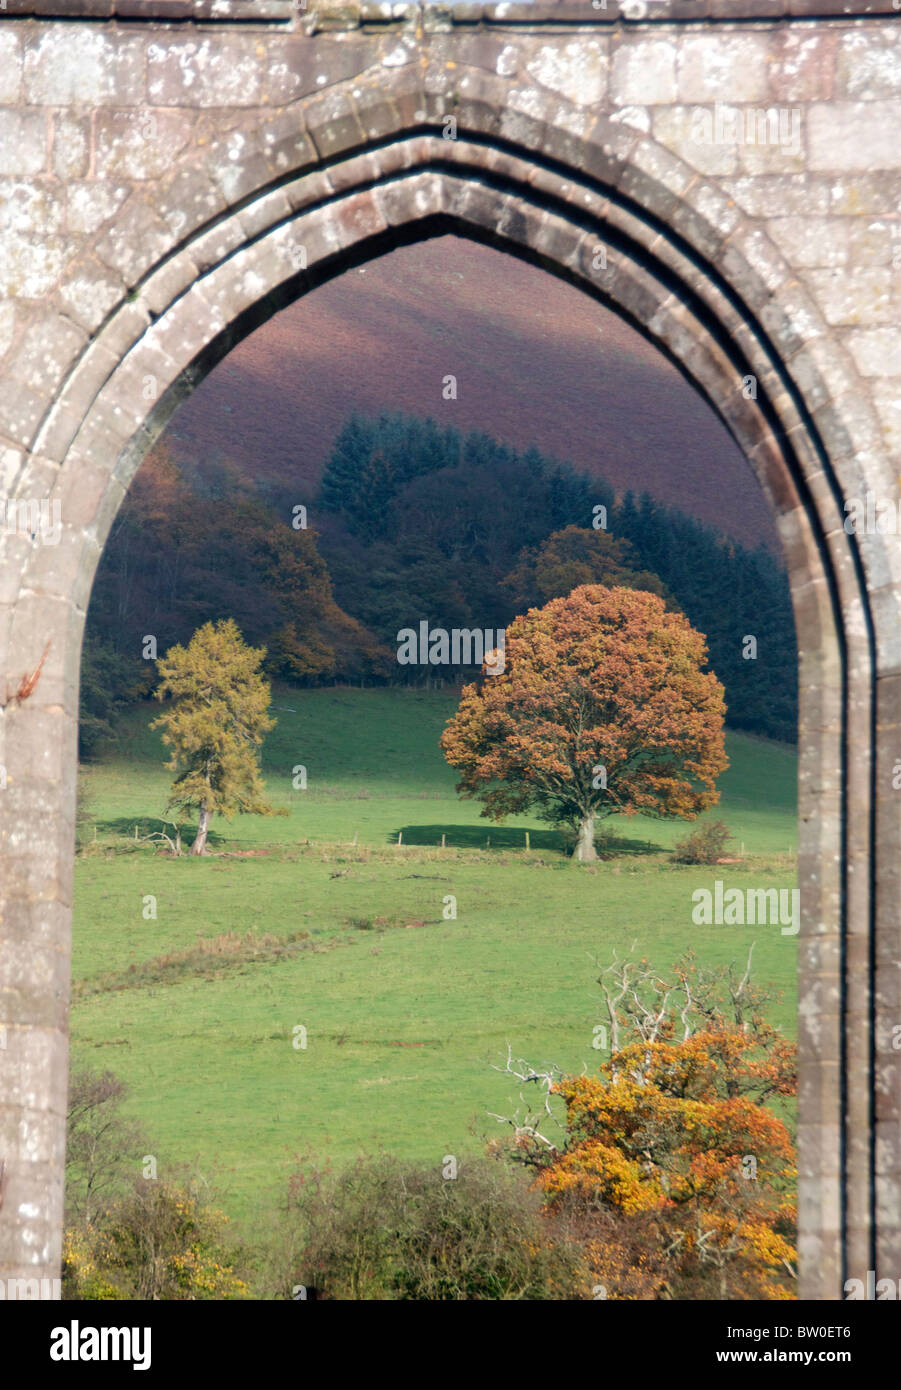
(725,173)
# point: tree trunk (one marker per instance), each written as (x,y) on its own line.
(199,845)
(585,850)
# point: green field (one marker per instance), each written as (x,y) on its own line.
(405,1012)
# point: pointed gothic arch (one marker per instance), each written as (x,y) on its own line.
(263,215)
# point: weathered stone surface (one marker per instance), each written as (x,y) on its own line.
(10,67)
(847,136)
(47,348)
(221,71)
(577,69)
(89,291)
(644,73)
(84,66)
(780,195)
(719,67)
(867,65)
(304,66)
(682,128)
(160,176)
(807,241)
(136,241)
(139,145)
(92,203)
(31,209)
(71,147)
(23,143)
(865,296)
(877,351)
(801,65)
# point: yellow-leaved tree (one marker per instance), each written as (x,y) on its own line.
(216,725)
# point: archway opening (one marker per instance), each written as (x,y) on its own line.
(241,268)
(316,732)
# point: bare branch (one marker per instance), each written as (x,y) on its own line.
(527,1125)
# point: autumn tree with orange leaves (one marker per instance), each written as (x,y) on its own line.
(603,708)
(672,1170)
(579,555)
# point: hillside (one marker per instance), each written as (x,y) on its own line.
(537,363)
(321,919)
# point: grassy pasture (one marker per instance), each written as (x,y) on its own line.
(324,921)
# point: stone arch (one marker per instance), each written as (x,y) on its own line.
(212,250)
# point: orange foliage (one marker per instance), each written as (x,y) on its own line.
(675,1177)
(574,556)
(605,677)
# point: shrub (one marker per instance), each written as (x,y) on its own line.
(388,1230)
(672,1161)
(703,846)
(103,1147)
(128,1236)
(83,1279)
(673,1169)
(160,1241)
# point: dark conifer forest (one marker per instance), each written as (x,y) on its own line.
(412,521)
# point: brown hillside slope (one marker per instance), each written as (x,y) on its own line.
(536,363)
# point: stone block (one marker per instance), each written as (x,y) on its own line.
(35,1067)
(861,193)
(728,67)
(32,209)
(867,65)
(420,195)
(91,203)
(21,411)
(300,66)
(808,241)
(71,146)
(849,136)
(167,283)
(780,195)
(863,297)
(218,71)
(47,350)
(490,52)
(135,241)
(186,200)
(690,133)
(801,64)
(10,67)
(873,242)
(877,351)
(643,72)
(89,291)
(240,165)
(576,70)
(333,124)
(139,144)
(24,143)
(84,65)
